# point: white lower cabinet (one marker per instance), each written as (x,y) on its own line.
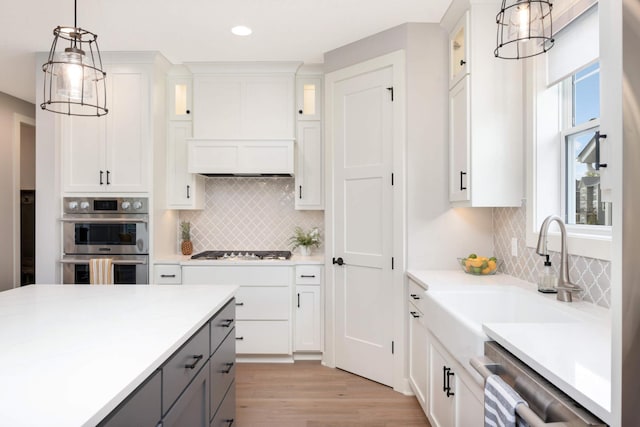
(418,356)
(455,399)
(307,325)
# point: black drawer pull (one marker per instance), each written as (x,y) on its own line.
(196,360)
(415,314)
(167,275)
(415,296)
(229,422)
(239,338)
(226,323)
(239,304)
(308,276)
(229,367)
(462,187)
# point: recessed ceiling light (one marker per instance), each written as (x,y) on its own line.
(241,30)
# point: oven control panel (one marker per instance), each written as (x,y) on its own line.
(105,205)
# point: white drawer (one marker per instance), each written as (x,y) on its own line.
(240,275)
(308,274)
(167,274)
(262,337)
(263,303)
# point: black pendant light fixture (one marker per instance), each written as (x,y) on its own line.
(74,81)
(525,28)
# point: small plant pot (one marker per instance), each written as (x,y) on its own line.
(305,250)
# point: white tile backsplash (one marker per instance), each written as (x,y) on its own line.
(248,214)
(593,275)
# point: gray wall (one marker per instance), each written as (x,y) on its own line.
(27,157)
(9,107)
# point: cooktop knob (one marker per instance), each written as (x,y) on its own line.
(137,205)
(73,205)
(126,205)
(84,205)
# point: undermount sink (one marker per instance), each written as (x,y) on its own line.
(456,316)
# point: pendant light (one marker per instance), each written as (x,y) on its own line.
(525,28)
(74,82)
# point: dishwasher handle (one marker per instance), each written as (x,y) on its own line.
(486,367)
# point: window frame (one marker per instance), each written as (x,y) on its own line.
(543,133)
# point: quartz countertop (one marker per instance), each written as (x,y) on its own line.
(574,356)
(71,354)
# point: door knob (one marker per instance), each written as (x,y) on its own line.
(338,261)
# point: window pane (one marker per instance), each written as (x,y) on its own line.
(584,205)
(586,94)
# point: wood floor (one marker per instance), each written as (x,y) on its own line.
(307,394)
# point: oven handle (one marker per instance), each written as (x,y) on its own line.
(106,220)
(486,367)
(115,261)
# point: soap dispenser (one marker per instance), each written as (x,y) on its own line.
(548,280)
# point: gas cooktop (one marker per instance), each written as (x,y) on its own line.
(243,255)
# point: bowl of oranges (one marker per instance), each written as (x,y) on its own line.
(479,265)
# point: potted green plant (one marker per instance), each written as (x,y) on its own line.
(305,240)
(187,246)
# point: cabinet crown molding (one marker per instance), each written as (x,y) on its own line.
(243,67)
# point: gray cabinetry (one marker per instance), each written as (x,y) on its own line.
(141,408)
(194,387)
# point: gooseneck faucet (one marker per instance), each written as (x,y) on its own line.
(565,287)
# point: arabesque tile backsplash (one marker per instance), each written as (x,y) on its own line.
(247,213)
(593,275)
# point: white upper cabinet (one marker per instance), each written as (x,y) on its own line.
(180,96)
(485,113)
(459,51)
(243,102)
(184,190)
(309,166)
(309,98)
(111,153)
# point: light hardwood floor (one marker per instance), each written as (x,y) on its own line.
(307,394)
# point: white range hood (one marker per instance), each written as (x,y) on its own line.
(213,157)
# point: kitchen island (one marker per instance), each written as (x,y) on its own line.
(71,354)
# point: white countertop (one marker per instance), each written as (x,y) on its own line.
(71,354)
(186,260)
(575,357)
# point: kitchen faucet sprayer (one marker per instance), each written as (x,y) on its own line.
(565,287)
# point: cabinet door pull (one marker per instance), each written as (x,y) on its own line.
(188,111)
(168,275)
(229,367)
(229,422)
(449,375)
(462,187)
(298,299)
(196,360)
(226,323)
(300,190)
(462,62)
(108,182)
(415,314)
(300,112)
(239,304)
(101,183)
(239,338)
(188,195)
(415,296)
(599,136)
(444,378)
(308,276)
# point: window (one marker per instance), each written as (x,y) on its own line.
(582,196)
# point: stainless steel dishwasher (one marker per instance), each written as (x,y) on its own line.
(548,405)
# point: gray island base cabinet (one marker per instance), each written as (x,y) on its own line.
(195,387)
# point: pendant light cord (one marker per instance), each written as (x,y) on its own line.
(75,13)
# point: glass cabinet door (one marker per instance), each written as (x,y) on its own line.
(308,98)
(180,98)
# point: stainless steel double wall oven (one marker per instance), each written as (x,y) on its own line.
(105,227)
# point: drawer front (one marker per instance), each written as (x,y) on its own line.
(242,275)
(167,274)
(262,337)
(222,323)
(183,366)
(308,274)
(142,408)
(416,292)
(223,370)
(263,303)
(226,415)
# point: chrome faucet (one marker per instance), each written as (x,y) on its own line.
(565,287)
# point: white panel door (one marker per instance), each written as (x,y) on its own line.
(459,142)
(307,321)
(362,135)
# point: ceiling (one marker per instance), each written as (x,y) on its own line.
(199,30)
